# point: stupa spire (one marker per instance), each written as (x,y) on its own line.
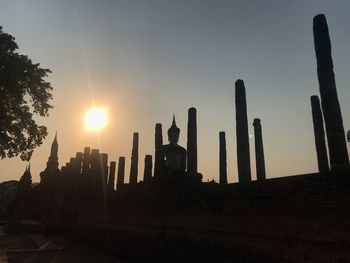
(52,163)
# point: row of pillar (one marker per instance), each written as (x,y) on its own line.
(243,156)
(100,168)
(338,154)
(242,137)
(92,168)
(331,111)
(339,158)
(95,165)
(159,163)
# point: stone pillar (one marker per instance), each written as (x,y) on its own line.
(259,151)
(192,142)
(104,171)
(147,176)
(134,159)
(338,153)
(94,159)
(158,159)
(76,181)
(72,161)
(222,159)
(121,172)
(320,142)
(86,160)
(79,159)
(85,180)
(242,134)
(94,171)
(111,177)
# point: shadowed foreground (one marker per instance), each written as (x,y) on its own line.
(35,248)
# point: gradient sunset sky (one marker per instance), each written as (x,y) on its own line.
(145,60)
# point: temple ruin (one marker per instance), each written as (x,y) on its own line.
(172,202)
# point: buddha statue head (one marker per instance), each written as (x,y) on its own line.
(173,133)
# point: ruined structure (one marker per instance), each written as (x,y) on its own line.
(104,172)
(192,142)
(111,177)
(121,172)
(79,160)
(86,184)
(51,170)
(134,159)
(147,175)
(25,183)
(338,153)
(243,157)
(52,188)
(222,159)
(52,163)
(158,160)
(259,151)
(86,160)
(320,142)
(95,171)
(175,206)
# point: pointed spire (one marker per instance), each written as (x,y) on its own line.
(25,181)
(173,124)
(55,140)
(52,163)
(173,128)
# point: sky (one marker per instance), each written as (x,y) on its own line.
(146,60)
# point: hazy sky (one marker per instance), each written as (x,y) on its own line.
(145,60)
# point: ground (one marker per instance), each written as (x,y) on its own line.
(25,248)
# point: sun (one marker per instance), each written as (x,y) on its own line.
(95,119)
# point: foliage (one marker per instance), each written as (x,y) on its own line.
(23,95)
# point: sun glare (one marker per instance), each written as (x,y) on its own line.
(95,119)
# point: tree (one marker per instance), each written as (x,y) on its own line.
(23,95)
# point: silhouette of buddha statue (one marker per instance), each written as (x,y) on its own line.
(174,154)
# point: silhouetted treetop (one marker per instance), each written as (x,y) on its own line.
(23,94)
